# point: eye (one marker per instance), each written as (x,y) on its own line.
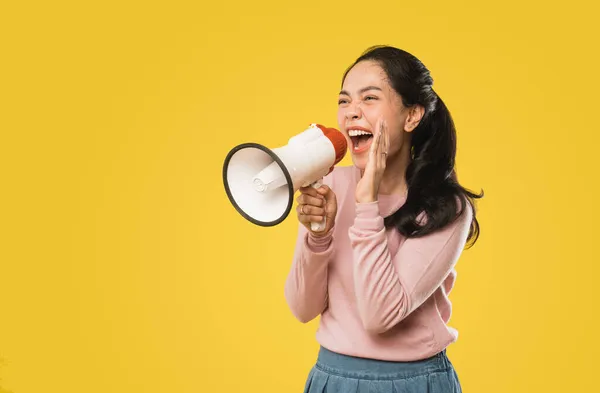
(342,101)
(368,98)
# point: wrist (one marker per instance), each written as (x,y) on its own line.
(368,217)
(321,241)
(366,199)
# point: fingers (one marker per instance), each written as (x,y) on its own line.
(305,199)
(374,148)
(387,138)
(384,149)
(316,204)
(310,210)
(381,138)
(324,191)
(308,214)
(310,190)
(308,219)
(382,131)
(380,141)
(311,205)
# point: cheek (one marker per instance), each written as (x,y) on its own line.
(340,117)
(340,120)
(373,113)
(394,129)
(396,139)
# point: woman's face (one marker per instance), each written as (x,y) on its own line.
(367,97)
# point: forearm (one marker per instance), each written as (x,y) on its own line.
(381,298)
(306,284)
(388,288)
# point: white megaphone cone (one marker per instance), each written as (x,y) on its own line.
(261,182)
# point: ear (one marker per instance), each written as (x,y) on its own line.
(415,114)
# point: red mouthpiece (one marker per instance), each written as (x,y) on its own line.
(338,141)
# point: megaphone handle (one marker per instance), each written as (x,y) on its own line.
(318,226)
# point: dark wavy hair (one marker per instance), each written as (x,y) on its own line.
(433,187)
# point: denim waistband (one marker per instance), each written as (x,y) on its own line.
(355,367)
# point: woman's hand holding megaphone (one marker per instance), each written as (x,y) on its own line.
(314,204)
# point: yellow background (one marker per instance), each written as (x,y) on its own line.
(125,269)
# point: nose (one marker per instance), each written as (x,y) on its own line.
(353,113)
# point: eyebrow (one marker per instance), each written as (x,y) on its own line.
(362,90)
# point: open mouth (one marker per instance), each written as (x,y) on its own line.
(361,140)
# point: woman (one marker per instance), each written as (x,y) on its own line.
(397,221)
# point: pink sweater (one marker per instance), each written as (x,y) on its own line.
(379,294)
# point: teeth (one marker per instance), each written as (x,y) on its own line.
(358,132)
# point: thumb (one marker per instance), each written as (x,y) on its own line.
(330,199)
(324,191)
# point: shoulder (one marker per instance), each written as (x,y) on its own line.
(461,226)
(464,210)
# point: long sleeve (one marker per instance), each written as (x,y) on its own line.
(306,284)
(389,288)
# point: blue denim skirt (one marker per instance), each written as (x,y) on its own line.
(337,373)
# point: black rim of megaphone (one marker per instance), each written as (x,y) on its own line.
(288,177)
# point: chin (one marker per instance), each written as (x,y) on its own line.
(359,162)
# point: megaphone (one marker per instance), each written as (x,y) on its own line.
(261,182)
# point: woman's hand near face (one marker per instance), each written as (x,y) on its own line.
(368,186)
